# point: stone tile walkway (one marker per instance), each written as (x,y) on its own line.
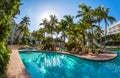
(15,68)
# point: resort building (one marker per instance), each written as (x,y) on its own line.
(114,28)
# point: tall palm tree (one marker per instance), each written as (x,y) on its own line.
(107,19)
(86,13)
(39,34)
(51,24)
(82,26)
(99,16)
(63,28)
(57,30)
(74,34)
(96,35)
(23,27)
(46,25)
(69,22)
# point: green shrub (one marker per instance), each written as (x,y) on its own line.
(80,47)
(4,59)
(3,76)
(70,45)
(8,12)
(48,46)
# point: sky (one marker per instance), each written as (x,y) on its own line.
(37,10)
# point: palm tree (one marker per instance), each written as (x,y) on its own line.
(23,27)
(63,28)
(53,23)
(99,16)
(69,22)
(39,35)
(74,34)
(107,19)
(46,25)
(82,26)
(87,15)
(96,35)
(50,25)
(57,30)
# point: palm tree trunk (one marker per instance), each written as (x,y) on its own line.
(100,42)
(84,39)
(89,38)
(92,38)
(64,36)
(51,32)
(105,33)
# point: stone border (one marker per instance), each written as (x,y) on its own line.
(99,57)
(105,56)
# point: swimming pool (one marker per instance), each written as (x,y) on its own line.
(27,49)
(57,65)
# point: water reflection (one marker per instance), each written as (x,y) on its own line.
(55,65)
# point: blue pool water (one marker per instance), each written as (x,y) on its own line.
(56,65)
(27,49)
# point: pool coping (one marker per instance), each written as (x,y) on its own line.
(93,57)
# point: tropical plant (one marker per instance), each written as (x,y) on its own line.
(50,25)
(107,19)
(63,28)
(39,35)
(53,23)
(23,26)
(99,16)
(57,30)
(23,30)
(101,13)
(66,25)
(82,27)
(8,10)
(86,13)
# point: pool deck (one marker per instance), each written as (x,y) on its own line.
(16,69)
(99,57)
(96,57)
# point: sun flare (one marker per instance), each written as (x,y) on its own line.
(47,15)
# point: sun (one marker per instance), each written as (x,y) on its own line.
(47,14)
